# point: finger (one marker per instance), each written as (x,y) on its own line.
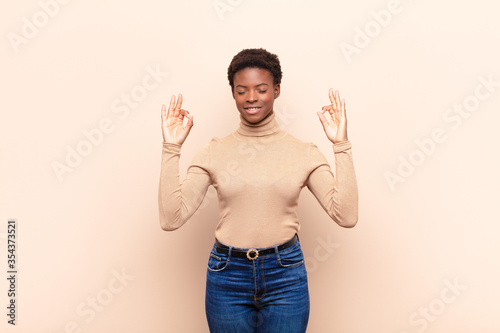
(187,128)
(178,105)
(343,109)
(163,120)
(337,100)
(190,122)
(171,107)
(183,113)
(328,108)
(330,95)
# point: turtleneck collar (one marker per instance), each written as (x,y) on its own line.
(266,127)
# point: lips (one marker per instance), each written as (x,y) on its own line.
(253,109)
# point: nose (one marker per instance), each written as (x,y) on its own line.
(252,96)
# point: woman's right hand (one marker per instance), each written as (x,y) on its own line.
(172,122)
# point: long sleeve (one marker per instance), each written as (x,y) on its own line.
(178,202)
(337,195)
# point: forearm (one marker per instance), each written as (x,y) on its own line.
(345,202)
(176,201)
(338,195)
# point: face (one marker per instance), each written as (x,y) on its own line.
(254,92)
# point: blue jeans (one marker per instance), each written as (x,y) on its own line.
(269,294)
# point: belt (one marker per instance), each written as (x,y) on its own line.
(252,254)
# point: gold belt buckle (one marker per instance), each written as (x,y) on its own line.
(252,254)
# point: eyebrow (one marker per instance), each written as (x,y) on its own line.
(260,84)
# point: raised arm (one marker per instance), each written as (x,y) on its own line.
(178,202)
(337,195)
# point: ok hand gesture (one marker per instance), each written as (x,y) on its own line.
(335,121)
(172,126)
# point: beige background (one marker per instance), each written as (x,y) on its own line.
(413,240)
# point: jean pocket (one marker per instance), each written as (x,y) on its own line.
(291,258)
(217,261)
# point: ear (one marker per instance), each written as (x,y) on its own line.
(232,93)
(276,90)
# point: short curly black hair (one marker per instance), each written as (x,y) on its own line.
(256,58)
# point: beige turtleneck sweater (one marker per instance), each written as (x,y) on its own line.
(258,172)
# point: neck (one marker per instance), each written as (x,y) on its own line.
(265,127)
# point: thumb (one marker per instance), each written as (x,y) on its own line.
(190,122)
(322,119)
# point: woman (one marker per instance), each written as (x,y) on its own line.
(256,276)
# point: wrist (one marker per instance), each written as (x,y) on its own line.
(175,144)
(341,146)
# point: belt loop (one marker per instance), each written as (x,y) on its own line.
(277,252)
(229,254)
(296,234)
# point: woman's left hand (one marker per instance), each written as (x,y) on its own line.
(335,121)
